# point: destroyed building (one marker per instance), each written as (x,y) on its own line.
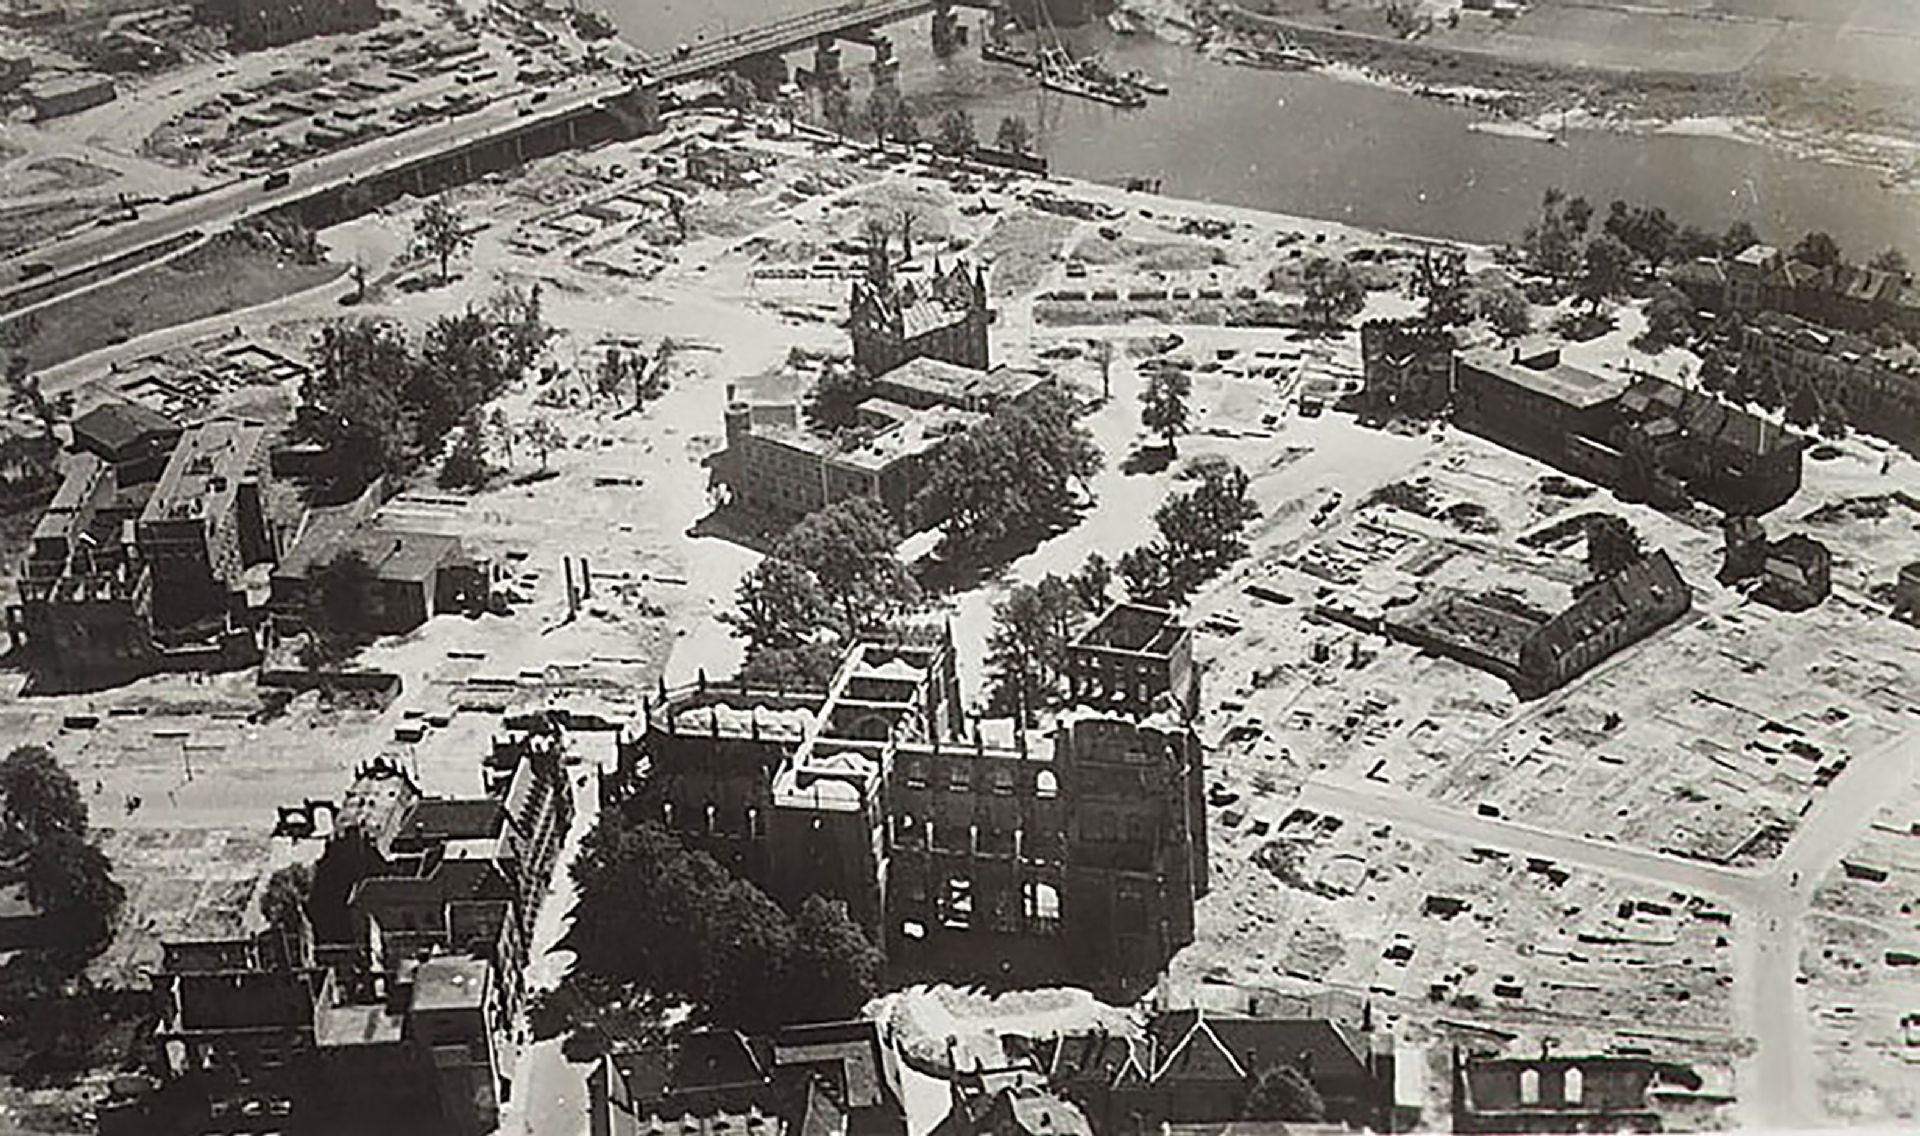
(254,24)
(804,1080)
(123,576)
(1793,573)
(1076,849)
(1535,651)
(893,320)
(252,1029)
(1563,1094)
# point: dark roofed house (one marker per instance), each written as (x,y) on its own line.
(412,576)
(822,1079)
(1618,611)
(1738,462)
(135,439)
(1197,1067)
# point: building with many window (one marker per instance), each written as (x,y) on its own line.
(1075,849)
(943,317)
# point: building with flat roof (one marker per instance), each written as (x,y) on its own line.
(53,96)
(204,524)
(136,440)
(1074,849)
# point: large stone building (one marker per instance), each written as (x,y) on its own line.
(1565,1093)
(944,317)
(1760,278)
(125,575)
(777,465)
(1646,436)
(1876,389)
(1074,850)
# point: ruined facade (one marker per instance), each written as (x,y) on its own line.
(1076,849)
(1408,367)
(944,317)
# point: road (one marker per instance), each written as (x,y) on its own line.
(1777,1084)
(221,207)
(550,1092)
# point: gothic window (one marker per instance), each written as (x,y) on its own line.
(1573,1086)
(1529,1086)
(1046,786)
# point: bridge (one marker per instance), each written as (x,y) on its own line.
(850,21)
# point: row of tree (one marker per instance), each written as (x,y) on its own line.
(1201,530)
(381,403)
(886,118)
(656,916)
(1032,625)
(832,577)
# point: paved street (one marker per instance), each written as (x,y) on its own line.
(549,1092)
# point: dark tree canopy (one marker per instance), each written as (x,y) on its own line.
(1612,544)
(832,403)
(849,546)
(68,877)
(956,133)
(1014,135)
(1163,404)
(1606,270)
(441,233)
(779,605)
(1333,292)
(1013,475)
(835,969)
(39,797)
(1818,249)
(284,902)
(1283,1092)
(1739,237)
(1027,649)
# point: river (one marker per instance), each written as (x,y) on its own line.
(1318,146)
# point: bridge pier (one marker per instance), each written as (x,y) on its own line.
(885,65)
(826,62)
(767,73)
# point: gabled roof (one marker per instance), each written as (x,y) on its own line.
(1214,1046)
(1199,1054)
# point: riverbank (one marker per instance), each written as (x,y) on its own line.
(1540,83)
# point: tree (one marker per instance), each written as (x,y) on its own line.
(613,374)
(1818,249)
(1890,260)
(1605,271)
(38,798)
(351,398)
(779,605)
(544,437)
(461,366)
(1713,372)
(1027,649)
(1093,583)
(901,125)
(440,233)
(736,92)
(521,327)
(746,945)
(68,878)
(1163,405)
(880,111)
(1013,135)
(836,398)
(1612,545)
(1740,237)
(1804,408)
(1333,293)
(835,969)
(502,429)
(1144,572)
(1552,241)
(284,902)
(808,666)
(849,547)
(1649,232)
(1013,474)
(956,134)
(1506,310)
(1578,216)
(465,466)
(1200,529)
(335,603)
(1440,278)
(1694,243)
(1283,1092)
(1669,319)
